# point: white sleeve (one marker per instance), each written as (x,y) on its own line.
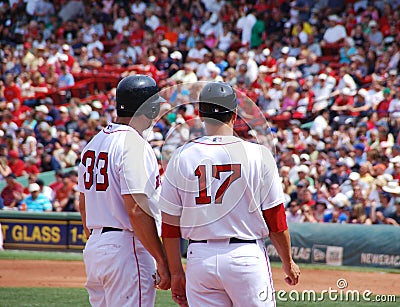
(271,188)
(137,171)
(170,200)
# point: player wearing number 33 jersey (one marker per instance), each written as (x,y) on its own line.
(119,185)
(226,196)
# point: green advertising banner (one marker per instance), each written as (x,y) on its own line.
(343,244)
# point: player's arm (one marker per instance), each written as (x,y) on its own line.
(82,210)
(171,238)
(145,228)
(279,234)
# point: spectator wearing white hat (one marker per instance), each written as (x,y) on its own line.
(323,92)
(303,174)
(36,201)
(375,36)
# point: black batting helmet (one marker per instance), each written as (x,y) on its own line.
(138,95)
(217,98)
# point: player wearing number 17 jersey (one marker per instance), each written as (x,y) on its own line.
(118,181)
(224,195)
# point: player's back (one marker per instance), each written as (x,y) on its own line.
(223,183)
(101,172)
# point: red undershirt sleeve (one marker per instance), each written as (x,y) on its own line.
(276,218)
(170,231)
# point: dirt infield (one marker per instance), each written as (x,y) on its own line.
(71,274)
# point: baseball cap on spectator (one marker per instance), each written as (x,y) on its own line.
(305,156)
(372,23)
(48,100)
(340,200)
(13,154)
(359,146)
(97,104)
(42,108)
(43,126)
(386,91)
(285,50)
(322,76)
(303,169)
(334,18)
(290,75)
(63,109)
(287,25)
(65,47)
(266,52)
(86,109)
(11,176)
(277,81)
(33,187)
(152,58)
(164,49)
(354,176)
(165,43)
(176,55)
(41,47)
(395,159)
(362,92)
(27,45)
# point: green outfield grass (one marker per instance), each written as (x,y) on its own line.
(66,297)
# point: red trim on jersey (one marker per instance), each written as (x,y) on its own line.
(115,131)
(275,218)
(194,141)
(170,231)
(138,269)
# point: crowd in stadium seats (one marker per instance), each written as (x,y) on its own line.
(325,74)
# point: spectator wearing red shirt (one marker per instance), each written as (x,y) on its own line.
(58,183)
(11,89)
(63,194)
(30,166)
(15,163)
(383,107)
(12,193)
(19,112)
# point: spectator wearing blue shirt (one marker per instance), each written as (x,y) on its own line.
(338,213)
(65,78)
(36,201)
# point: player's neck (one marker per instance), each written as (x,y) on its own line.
(129,122)
(224,129)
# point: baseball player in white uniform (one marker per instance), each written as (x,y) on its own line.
(118,181)
(224,195)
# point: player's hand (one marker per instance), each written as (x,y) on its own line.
(292,272)
(178,289)
(165,278)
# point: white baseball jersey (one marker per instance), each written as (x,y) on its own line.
(117,161)
(219,185)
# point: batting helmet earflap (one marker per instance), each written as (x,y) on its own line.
(220,95)
(138,94)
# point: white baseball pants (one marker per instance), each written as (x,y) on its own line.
(220,273)
(119,270)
